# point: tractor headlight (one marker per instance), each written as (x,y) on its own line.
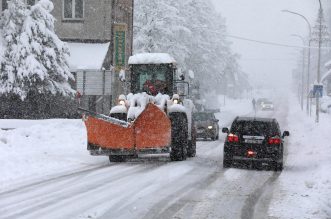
(122,102)
(210,127)
(175,101)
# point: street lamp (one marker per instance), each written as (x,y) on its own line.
(309,42)
(320,16)
(303,69)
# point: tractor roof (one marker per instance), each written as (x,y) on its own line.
(151,58)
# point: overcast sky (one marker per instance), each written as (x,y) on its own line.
(263,20)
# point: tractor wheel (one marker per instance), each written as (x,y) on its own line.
(179,136)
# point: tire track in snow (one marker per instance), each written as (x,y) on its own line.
(248,210)
(187,195)
(51,180)
(179,198)
(261,197)
(53,197)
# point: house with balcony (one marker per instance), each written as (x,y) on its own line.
(99,36)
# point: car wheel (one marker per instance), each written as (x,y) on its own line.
(278,166)
(227,163)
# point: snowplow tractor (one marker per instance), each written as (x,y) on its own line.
(152,119)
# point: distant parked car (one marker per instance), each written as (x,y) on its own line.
(257,140)
(206,125)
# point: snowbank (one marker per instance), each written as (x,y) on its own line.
(43,150)
(151,58)
(305,184)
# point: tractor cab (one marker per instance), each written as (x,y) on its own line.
(152,73)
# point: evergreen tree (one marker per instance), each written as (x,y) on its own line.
(11,25)
(35,58)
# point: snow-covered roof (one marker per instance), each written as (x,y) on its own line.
(87,55)
(151,58)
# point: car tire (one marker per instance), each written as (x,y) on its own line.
(278,166)
(227,163)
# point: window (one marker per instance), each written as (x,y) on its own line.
(152,79)
(73,9)
(255,128)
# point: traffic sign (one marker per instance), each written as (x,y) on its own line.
(318,90)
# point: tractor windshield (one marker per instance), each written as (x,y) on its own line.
(152,79)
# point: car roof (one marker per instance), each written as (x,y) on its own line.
(260,119)
(203,112)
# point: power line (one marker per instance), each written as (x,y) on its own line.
(272,43)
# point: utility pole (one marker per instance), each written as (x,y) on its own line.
(303,70)
(321,35)
(320,16)
(309,44)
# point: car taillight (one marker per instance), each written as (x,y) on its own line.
(274,140)
(233,138)
(250,153)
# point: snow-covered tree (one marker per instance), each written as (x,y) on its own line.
(35,59)
(191,31)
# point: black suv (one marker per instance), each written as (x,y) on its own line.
(257,140)
(206,125)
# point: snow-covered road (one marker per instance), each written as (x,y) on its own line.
(149,187)
(154,187)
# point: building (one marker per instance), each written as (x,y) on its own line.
(100,36)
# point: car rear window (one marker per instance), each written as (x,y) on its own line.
(203,116)
(254,128)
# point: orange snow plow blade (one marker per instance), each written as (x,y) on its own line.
(106,134)
(151,130)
